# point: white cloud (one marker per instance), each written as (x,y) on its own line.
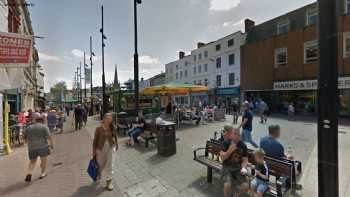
(146,59)
(223,5)
(47,57)
(231,23)
(77,53)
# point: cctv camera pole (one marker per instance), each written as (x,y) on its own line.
(104,101)
(136,60)
(328,98)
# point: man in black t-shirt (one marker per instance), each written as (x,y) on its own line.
(235,160)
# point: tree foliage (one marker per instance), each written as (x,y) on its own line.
(58,91)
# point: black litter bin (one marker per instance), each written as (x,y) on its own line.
(166,139)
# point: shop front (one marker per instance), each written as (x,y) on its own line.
(224,97)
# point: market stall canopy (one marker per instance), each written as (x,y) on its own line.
(175,88)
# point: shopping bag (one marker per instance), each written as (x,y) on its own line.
(93,169)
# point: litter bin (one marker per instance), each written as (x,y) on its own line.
(166,139)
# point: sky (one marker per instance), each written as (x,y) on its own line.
(165,27)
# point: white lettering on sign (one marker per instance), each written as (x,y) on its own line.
(343,83)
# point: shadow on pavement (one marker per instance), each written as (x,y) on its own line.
(91,190)
(156,159)
(16,187)
(208,189)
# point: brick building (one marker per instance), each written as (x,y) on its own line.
(280,59)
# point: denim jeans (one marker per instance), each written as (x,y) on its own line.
(247,137)
(136,132)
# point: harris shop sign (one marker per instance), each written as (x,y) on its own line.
(15,50)
(343,83)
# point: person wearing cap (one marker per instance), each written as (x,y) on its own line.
(235,160)
(105,144)
(247,125)
(39,143)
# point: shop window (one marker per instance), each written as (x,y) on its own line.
(231,59)
(205,67)
(218,80)
(281,57)
(310,51)
(218,62)
(231,79)
(230,42)
(347,44)
(283,27)
(199,69)
(311,17)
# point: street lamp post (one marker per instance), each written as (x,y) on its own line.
(328,98)
(84,77)
(80,84)
(136,60)
(103,37)
(76,85)
(91,86)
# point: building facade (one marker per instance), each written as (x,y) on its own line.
(215,65)
(280,59)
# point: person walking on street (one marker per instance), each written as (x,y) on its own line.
(235,111)
(105,144)
(39,143)
(85,114)
(262,110)
(247,125)
(51,120)
(78,117)
(291,111)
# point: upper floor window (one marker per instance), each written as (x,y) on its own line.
(199,82)
(177,75)
(199,69)
(218,62)
(205,54)
(206,82)
(311,17)
(283,27)
(281,56)
(186,73)
(205,67)
(177,66)
(194,58)
(218,47)
(181,74)
(230,42)
(218,80)
(347,6)
(186,63)
(199,56)
(231,59)
(310,51)
(195,82)
(231,79)
(194,70)
(347,44)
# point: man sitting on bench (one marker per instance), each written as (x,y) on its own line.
(271,145)
(235,160)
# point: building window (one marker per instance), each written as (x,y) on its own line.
(218,47)
(199,56)
(194,82)
(181,74)
(177,66)
(218,80)
(281,56)
(186,63)
(194,70)
(347,6)
(200,82)
(194,58)
(311,17)
(310,51)
(205,54)
(177,75)
(347,44)
(186,73)
(218,62)
(206,83)
(205,67)
(231,59)
(283,27)
(231,79)
(230,43)
(199,69)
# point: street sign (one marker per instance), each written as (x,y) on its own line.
(15,50)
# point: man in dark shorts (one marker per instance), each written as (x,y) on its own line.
(78,117)
(247,125)
(235,160)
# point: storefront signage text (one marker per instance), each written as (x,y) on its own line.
(343,83)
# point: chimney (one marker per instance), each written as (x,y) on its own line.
(181,54)
(249,24)
(200,44)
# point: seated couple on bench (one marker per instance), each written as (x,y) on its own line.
(137,130)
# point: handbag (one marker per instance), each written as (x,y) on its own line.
(93,169)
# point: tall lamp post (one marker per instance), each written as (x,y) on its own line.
(328,98)
(136,59)
(103,37)
(85,67)
(91,86)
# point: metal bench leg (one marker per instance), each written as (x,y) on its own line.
(146,142)
(209,175)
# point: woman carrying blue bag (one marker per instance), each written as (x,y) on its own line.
(104,146)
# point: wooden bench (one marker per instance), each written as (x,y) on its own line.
(283,170)
(150,133)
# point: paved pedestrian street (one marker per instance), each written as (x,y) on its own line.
(140,172)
